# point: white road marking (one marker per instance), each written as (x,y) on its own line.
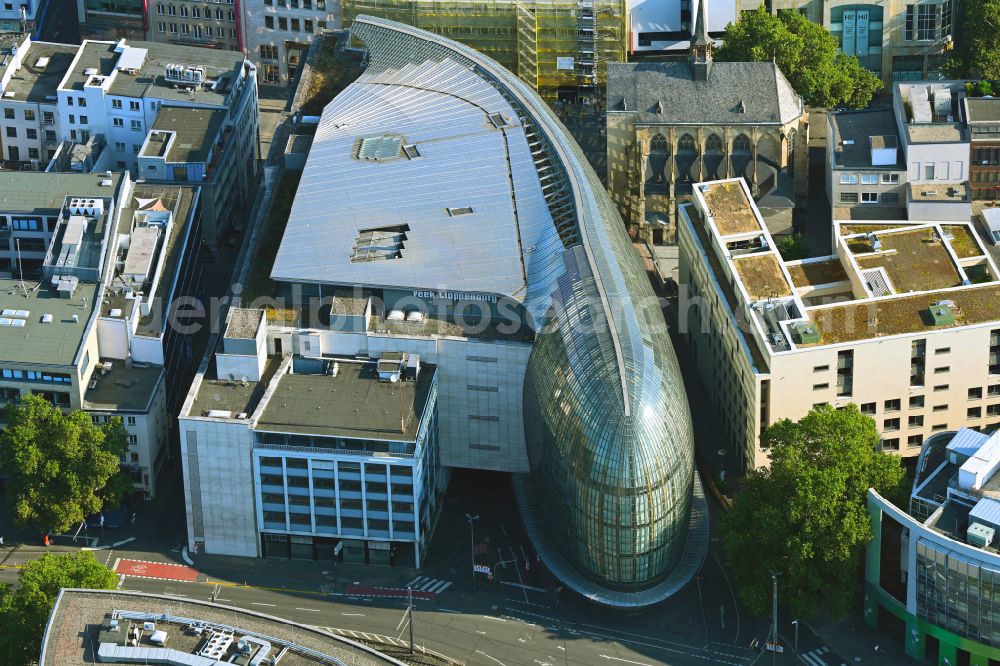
(627,661)
(257,603)
(498,619)
(353,614)
(311,610)
(490,658)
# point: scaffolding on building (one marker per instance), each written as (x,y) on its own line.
(559,47)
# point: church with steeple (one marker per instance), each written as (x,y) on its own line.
(673,124)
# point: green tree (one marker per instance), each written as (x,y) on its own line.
(24,613)
(807,55)
(977,51)
(805,515)
(60,466)
(793,247)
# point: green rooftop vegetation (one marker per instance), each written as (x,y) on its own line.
(259,283)
(327,73)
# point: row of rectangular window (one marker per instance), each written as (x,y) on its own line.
(186,29)
(106,418)
(35,376)
(917,401)
(195,12)
(296,4)
(869,197)
(284,23)
(29,132)
(29,114)
(133,104)
(868,178)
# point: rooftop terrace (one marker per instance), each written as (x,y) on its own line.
(938,192)
(354,403)
(123,388)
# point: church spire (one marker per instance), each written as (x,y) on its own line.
(701,45)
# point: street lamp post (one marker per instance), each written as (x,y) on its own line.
(774,616)
(795,623)
(472,539)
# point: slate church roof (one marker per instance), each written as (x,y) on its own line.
(736,93)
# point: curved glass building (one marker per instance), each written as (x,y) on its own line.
(607,488)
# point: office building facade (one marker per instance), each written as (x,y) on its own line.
(520,386)
(931,569)
(135,106)
(900,320)
(87,262)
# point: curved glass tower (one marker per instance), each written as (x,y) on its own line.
(612,502)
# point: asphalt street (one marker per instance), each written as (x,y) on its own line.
(524,634)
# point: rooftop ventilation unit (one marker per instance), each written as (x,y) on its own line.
(980,535)
(46,318)
(941,314)
(86,206)
(805,333)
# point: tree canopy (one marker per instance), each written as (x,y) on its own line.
(24,613)
(805,516)
(977,52)
(60,466)
(793,247)
(807,55)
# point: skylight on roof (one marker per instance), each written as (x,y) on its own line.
(411,151)
(497,120)
(455,212)
(379,244)
(380,148)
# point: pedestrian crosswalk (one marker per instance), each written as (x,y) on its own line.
(424,584)
(815,657)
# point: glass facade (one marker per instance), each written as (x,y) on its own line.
(607,423)
(858,29)
(959,595)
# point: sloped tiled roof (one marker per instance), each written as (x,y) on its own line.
(737,93)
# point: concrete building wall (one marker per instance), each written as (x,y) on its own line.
(278,33)
(216,460)
(751,388)
(21,133)
(195,23)
(739,384)
(480,384)
(938,162)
